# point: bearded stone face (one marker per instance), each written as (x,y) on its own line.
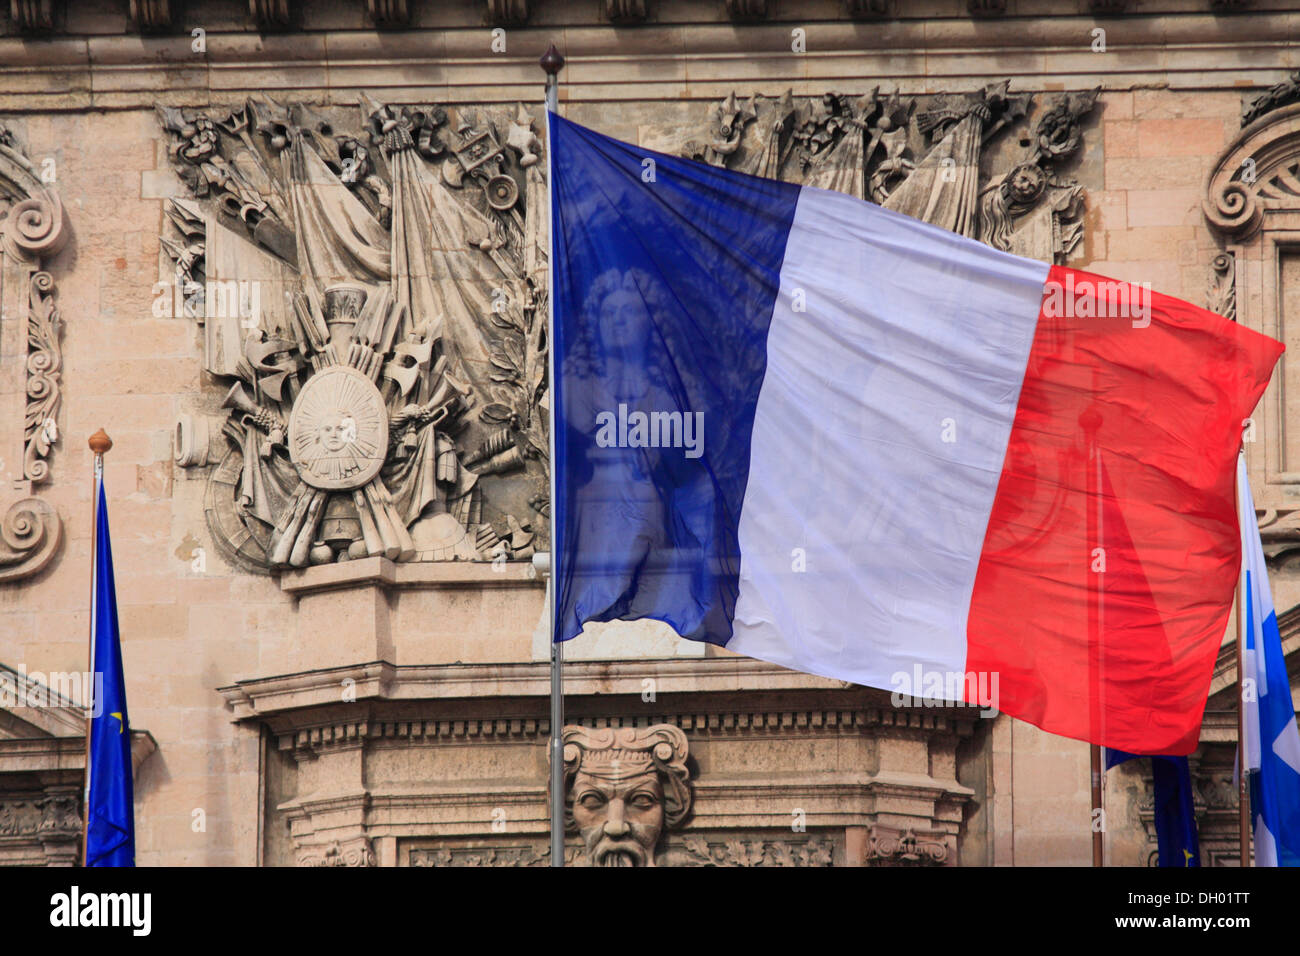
(620,816)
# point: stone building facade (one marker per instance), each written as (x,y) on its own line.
(293,258)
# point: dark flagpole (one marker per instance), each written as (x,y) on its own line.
(552,63)
(100,444)
(1091,422)
(1243,779)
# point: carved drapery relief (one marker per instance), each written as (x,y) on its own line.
(1252,202)
(32,231)
(921,157)
(371,289)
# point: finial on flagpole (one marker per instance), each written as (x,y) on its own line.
(100,443)
(552,62)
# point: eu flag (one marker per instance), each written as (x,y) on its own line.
(110,806)
(1175,815)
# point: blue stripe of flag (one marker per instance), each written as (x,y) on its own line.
(666,276)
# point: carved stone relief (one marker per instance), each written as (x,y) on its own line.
(920,157)
(625,787)
(41,828)
(57,814)
(371,291)
(888,847)
(1283,94)
(32,230)
(1251,202)
(356,852)
(714,849)
(1222,294)
(735,850)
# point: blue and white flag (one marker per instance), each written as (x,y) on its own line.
(1272,738)
(110,802)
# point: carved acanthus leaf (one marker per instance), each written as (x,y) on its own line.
(44,371)
(1288,91)
(1222,294)
(353,853)
(906,848)
(32,229)
(699,850)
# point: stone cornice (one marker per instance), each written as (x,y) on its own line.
(389,574)
(681,686)
(655,61)
(76,17)
(829,799)
(314,730)
(382,680)
(43,754)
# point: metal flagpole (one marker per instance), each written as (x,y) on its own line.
(1091,422)
(1243,781)
(552,62)
(100,444)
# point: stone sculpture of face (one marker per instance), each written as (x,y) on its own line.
(337,430)
(626,786)
(619,813)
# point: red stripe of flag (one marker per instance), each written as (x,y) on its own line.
(1116,646)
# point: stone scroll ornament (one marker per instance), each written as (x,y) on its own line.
(32,231)
(372,286)
(1252,194)
(625,786)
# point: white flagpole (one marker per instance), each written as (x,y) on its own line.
(552,62)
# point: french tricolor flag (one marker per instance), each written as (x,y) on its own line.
(836,438)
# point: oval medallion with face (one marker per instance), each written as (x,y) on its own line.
(338,430)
